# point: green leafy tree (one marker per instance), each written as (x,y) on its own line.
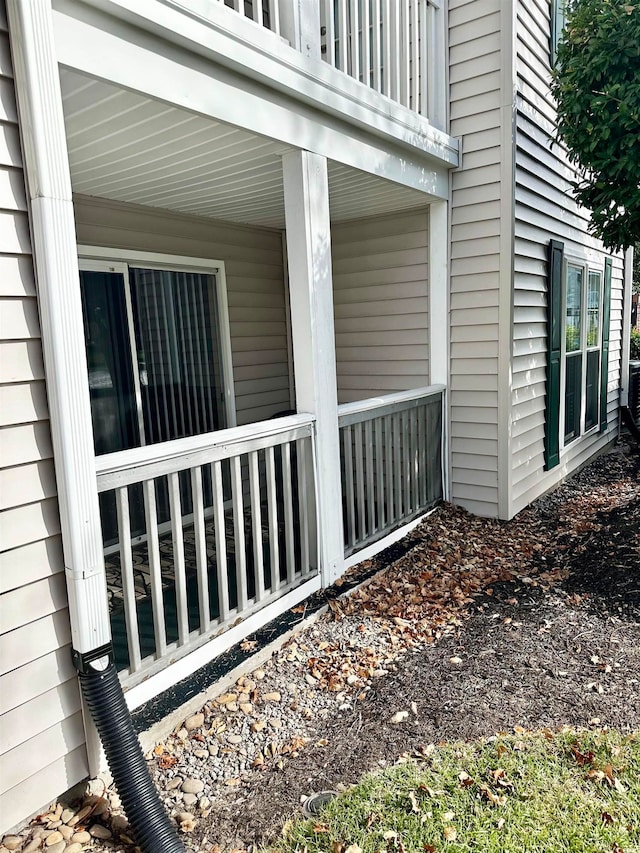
(596,84)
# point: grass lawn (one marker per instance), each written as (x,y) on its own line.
(537,793)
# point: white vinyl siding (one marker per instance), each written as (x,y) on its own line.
(42,749)
(474,86)
(381,303)
(253,261)
(544,211)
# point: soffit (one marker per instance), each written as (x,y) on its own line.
(131,148)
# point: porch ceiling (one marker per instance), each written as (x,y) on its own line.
(128,147)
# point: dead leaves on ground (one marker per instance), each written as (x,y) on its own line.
(604,774)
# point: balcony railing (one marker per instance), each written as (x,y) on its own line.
(396,47)
(204,531)
(385,44)
(391,458)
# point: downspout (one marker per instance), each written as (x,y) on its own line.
(56,267)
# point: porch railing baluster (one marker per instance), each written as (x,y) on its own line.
(288,513)
(272,506)
(369,450)
(128,581)
(388,456)
(155,568)
(380,467)
(239,533)
(304,520)
(348,489)
(397,464)
(362,524)
(256,524)
(202,567)
(180,573)
(220,528)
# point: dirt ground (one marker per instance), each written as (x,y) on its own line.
(531,623)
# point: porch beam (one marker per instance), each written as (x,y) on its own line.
(311,113)
(308,228)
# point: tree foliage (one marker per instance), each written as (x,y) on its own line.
(596,84)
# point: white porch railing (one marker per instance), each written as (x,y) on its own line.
(207,530)
(396,47)
(266,13)
(391,458)
(385,44)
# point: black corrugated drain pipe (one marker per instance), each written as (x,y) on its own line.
(154,831)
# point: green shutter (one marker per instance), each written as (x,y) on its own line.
(554,344)
(606,322)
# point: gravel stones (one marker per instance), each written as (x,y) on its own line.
(73,828)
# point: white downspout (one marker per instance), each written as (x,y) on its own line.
(56,266)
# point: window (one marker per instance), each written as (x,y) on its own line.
(157,343)
(558,19)
(583,311)
(578,311)
(582,364)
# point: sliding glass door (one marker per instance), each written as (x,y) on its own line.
(154,362)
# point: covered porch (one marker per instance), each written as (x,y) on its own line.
(259,412)
(265,337)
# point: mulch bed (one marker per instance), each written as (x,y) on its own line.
(531,623)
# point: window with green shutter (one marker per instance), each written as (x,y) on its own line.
(578,315)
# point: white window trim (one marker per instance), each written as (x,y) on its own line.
(117,260)
(586,267)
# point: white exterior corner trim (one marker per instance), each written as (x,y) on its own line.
(508,22)
(56,266)
(626,325)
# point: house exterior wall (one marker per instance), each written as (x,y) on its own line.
(253,261)
(41,734)
(475,61)
(381,304)
(544,211)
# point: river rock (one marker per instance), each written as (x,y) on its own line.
(194,722)
(192,786)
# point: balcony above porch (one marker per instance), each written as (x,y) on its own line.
(275,67)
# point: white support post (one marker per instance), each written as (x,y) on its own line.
(438,295)
(300,25)
(306,199)
(56,266)
(439,318)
